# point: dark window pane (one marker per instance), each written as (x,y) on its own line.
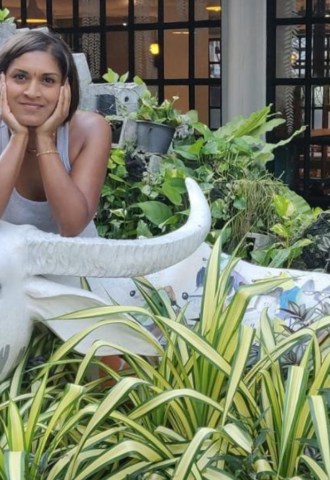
(176,56)
(146,11)
(117,51)
(116,12)
(215,118)
(90,45)
(320,54)
(206,10)
(146,62)
(290,101)
(321,8)
(89,13)
(290,51)
(319,161)
(320,108)
(63,15)
(215,96)
(202,53)
(285,9)
(177,11)
(202,103)
(181,91)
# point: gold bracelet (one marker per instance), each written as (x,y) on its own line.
(47,152)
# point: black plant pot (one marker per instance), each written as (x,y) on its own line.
(154,137)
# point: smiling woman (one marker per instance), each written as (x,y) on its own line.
(51,173)
(33,83)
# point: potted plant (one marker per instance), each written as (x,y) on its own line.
(156,123)
(117,99)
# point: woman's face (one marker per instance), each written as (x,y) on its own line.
(33,85)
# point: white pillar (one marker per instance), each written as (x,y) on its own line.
(243,57)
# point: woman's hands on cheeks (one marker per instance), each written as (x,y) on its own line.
(60,113)
(5,112)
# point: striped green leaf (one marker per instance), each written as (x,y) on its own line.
(320,418)
(15,465)
(15,432)
(189,458)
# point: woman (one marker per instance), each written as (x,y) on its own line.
(53,157)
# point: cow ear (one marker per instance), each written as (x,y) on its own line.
(49,300)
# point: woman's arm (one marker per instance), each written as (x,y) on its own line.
(73,197)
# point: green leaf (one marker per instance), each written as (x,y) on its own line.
(239,436)
(314,467)
(172,192)
(15,465)
(186,465)
(111,76)
(16,436)
(156,212)
(294,399)
(321,425)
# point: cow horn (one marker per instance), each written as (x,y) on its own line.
(98,257)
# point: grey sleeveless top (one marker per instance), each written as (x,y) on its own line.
(22,211)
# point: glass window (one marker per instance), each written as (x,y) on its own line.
(14,6)
(146,62)
(202,103)
(146,11)
(180,91)
(290,9)
(290,101)
(320,50)
(116,12)
(63,15)
(89,13)
(117,51)
(183,60)
(202,59)
(207,10)
(176,47)
(176,11)
(321,8)
(90,45)
(290,51)
(215,118)
(320,110)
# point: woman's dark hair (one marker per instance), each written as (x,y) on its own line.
(44,41)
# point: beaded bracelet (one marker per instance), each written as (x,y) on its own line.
(47,152)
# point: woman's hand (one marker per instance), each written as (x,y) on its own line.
(5,112)
(60,113)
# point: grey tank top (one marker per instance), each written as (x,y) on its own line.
(22,211)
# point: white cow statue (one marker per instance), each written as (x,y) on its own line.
(39,281)
(33,263)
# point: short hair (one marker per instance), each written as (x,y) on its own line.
(44,41)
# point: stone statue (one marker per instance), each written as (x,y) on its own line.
(28,255)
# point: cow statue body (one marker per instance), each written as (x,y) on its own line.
(39,281)
(32,263)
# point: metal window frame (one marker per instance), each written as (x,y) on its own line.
(308,82)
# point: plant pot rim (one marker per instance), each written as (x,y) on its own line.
(156,123)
